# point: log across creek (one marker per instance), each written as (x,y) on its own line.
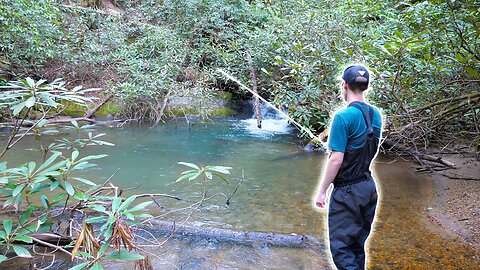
(253,238)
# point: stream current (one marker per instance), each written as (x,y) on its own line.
(274,196)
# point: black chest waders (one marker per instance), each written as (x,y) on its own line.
(354,199)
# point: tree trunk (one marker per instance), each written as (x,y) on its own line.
(159,115)
(256,100)
(97,107)
(238,237)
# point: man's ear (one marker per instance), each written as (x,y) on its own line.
(344,91)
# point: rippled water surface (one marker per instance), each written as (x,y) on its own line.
(275,195)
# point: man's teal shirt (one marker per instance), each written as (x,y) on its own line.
(348,123)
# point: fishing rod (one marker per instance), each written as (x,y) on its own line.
(298,125)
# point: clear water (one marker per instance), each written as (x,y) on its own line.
(280,180)
(279,176)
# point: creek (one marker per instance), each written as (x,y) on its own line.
(275,195)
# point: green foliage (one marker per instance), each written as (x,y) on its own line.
(30,30)
(303,47)
(124,255)
(418,51)
(148,63)
(9,234)
(39,95)
(118,210)
(56,183)
(207,172)
(56,180)
(146,58)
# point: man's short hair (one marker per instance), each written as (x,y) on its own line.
(357,77)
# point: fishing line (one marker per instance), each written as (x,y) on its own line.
(298,125)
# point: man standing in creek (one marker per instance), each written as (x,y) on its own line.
(353,143)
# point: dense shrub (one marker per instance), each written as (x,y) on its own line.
(419,51)
(29,31)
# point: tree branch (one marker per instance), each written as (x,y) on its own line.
(452,99)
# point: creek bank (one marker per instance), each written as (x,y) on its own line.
(454,202)
(219,106)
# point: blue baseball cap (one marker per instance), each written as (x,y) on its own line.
(356,74)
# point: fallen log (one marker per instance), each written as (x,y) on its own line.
(87,117)
(293,240)
(388,143)
(447,100)
(417,155)
(110,10)
(460,177)
(94,110)
(63,120)
(83,119)
(435,159)
(52,238)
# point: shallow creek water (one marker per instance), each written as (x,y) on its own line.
(275,196)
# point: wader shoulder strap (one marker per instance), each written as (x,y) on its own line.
(368,120)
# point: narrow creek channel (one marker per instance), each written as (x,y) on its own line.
(275,196)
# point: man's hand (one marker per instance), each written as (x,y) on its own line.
(320,199)
(334,163)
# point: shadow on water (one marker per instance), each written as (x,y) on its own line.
(275,196)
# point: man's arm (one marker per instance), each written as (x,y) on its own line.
(334,163)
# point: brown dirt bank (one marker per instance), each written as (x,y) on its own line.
(455,202)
